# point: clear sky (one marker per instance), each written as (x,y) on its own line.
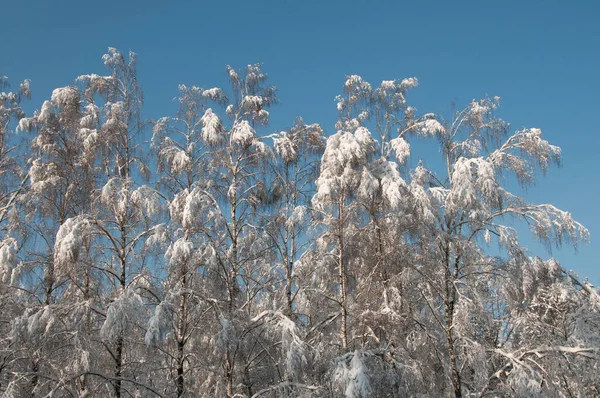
(541,57)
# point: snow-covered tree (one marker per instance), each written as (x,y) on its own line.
(295,168)
(60,173)
(124,209)
(13,182)
(61,179)
(343,173)
(12,177)
(242,255)
(463,208)
(183,145)
(220,256)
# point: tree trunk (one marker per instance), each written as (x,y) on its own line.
(180,360)
(181,337)
(232,288)
(342,276)
(290,247)
(120,339)
(228,376)
(449,303)
(34,380)
(118,366)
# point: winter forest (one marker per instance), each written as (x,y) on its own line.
(207,253)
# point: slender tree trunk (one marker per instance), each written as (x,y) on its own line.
(34,380)
(290,248)
(342,282)
(228,375)
(232,287)
(380,257)
(288,287)
(342,275)
(181,337)
(87,325)
(290,245)
(234,251)
(49,281)
(120,340)
(450,301)
(180,361)
(118,366)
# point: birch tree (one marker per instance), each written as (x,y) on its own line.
(61,180)
(220,256)
(295,170)
(123,208)
(13,180)
(466,205)
(183,145)
(344,163)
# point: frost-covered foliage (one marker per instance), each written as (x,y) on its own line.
(159,325)
(218,256)
(343,166)
(70,241)
(10,103)
(353,378)
(242,134)
(122,315)
(8,260)
(212,130)
(12,173)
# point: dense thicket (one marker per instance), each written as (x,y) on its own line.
(202,255)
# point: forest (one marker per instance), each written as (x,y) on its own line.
(207,253)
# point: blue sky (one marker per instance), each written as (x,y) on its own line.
(541,57)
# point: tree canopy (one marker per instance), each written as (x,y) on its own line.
(208,253)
